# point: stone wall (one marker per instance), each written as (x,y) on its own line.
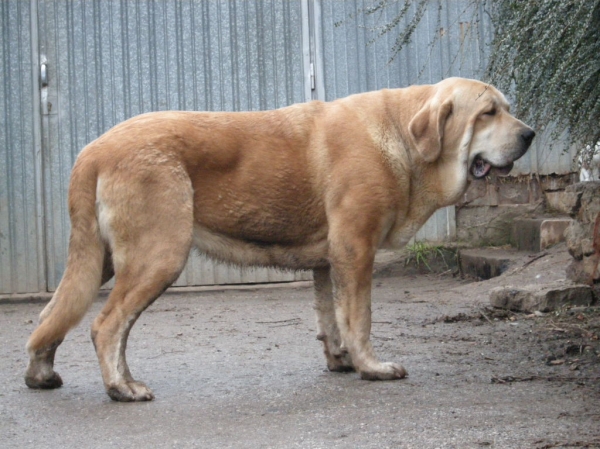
(485,214)
(582,202)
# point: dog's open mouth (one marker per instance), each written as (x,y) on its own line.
(481,168)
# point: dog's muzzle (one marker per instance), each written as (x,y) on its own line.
(481,167)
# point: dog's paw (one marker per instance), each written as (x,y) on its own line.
(130,392)
(47,382)
(384,371)
(341,363)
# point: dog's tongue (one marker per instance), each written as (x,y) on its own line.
(480,168)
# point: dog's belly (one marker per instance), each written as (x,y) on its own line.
(242,252)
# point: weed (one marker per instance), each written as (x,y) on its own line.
(422,252)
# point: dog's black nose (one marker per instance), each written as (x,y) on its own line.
(528,136)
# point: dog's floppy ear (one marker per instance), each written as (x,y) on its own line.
(427,128)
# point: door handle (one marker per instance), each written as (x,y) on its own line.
(44,74)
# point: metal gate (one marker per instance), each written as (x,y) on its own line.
(22,252)
(108,61)
(71,69)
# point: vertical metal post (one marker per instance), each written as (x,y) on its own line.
(312,50)
(318,65)
(306,53)
(38,150)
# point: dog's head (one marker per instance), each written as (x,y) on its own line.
(470,122)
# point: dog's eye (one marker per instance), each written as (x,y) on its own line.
(491,112)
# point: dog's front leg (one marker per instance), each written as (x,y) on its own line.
(352,264)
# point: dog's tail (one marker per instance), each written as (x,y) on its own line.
(86,266)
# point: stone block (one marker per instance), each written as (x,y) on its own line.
(578,237)
(486,263)
(584,201)
(476,194)
(489,226)
(494,191)
(537,234)
(544,298)
(524,192)
(563,202)
(590,202)
(584,271)
(552,231)
(557,182)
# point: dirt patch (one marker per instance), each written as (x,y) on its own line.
(571,338)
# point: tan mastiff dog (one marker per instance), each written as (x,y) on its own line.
(316,186)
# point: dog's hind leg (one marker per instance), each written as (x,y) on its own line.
(131,295)
(151,234)
(338,359)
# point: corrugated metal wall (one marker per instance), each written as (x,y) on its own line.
(355,60)
(21,245)
(111,60)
